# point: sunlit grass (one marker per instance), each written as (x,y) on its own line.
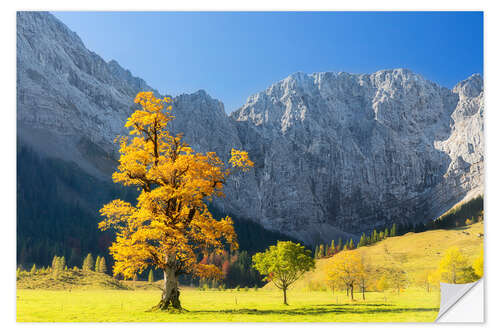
(222,306)
(91,302)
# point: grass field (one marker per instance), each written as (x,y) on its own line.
(91,299)
(223,306)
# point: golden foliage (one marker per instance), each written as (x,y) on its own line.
(170,224)
(478,265)
(347,269)
(453,266)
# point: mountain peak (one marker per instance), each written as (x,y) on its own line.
(470,87)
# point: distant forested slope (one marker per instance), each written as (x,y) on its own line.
(58,211)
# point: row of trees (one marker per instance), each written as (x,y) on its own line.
(465,214)
(329,250)
(59,264)
(351,269)
(99,265)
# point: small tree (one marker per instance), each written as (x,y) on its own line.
(362,240)
(102,266)
(393,230)
(321,251)
(397,277)
(347,267)
(478,265)
(62,263)
(332,278)
(453,265)
(58,264)
(382,283)
(283,264)
(88,263)
(97,264)
(424,279)
(151,278)
(332,248)
(364,275)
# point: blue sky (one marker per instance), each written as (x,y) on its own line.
(233,55)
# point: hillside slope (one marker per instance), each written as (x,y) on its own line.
(418,252)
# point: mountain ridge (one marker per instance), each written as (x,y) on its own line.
(409,147)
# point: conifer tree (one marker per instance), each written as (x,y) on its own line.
(321,251)
(381,235)
(88,263)
(332,247)
(62,263)
(102,266)
(351,244)
(33,269)
(362,240)
(386,233)
(340,244)
(316,252)
(393,230)
(58,264)
(54,263)
(150,276)
(97,264)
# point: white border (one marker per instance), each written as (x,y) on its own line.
(8,136)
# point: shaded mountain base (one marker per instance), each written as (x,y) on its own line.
(58,211)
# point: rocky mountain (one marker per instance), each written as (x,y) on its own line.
(335,153)
(338,151)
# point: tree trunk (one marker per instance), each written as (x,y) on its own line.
(284,296)
(352,292)
(170,294)
(363,289)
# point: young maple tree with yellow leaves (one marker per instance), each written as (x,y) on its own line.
(170,226)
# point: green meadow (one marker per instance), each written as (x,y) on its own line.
(85,296)
(35,305)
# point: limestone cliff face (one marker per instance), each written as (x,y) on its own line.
(335,153)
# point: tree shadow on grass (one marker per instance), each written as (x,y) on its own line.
(314,311)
